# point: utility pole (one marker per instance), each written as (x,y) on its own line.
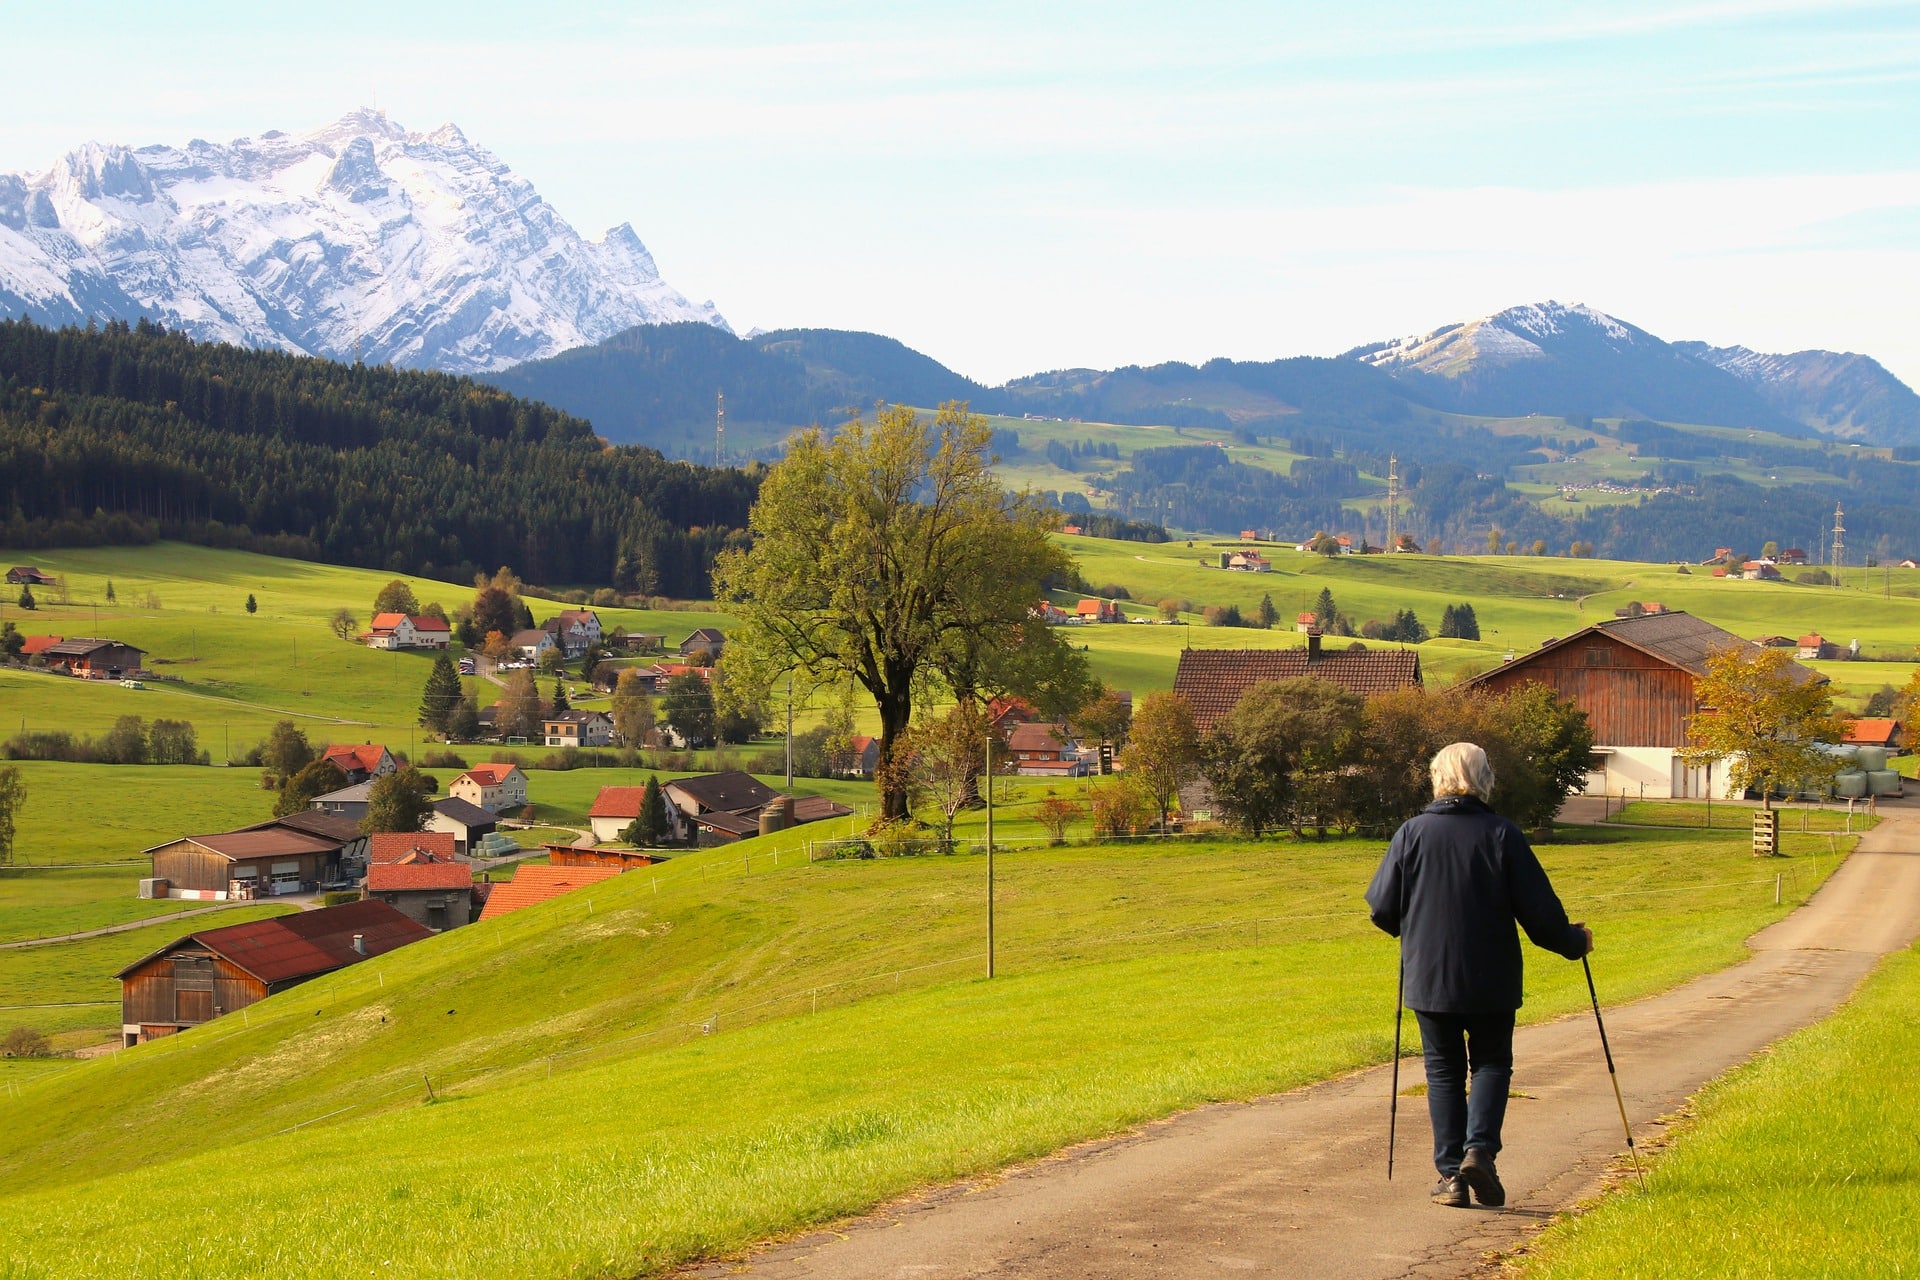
(720,431)
(789,733)
(989,772)
(1393,502)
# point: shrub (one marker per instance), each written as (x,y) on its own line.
(337,897)
(442,760)
(25,1042)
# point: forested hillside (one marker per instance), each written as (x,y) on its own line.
(128,434)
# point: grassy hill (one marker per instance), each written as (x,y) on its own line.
(687,1059)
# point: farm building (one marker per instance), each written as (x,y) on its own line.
(216,971)
(293,854)
(362,763)
(348,802)
(1212,680)
(431,891)
(1877,731)
(494,786)
(1040,750)
(467,823)
(27,575)
(615,808)
(1635,679)
(92,659)
(712,808)
(707,640)
(573,855)
(533,884)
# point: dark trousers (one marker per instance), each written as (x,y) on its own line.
(1454,1043)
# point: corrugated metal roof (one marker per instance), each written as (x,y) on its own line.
(817,809)
(464,812)
(306,944)
(1213,680)
(274,841)
(729,792)
(532,885)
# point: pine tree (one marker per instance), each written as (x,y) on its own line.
(1466,624)
(652,822)
(1268,613)
(26,597)
(560,702)
(442,696)
(1449,623)
(1324,609)
(253,606)
(111,598)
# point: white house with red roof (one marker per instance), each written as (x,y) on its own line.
(407,631)
(361,763)
(494,786)
(575,630)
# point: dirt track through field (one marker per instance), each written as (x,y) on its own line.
(1295,1186)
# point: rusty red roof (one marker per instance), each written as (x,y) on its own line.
(427,622)
(490,774)
(1873,731)
(392,846)
(365,757)
(393,877)
(38,645)
(617,802)
(305,944)
(265,842)
(1037,736)
(1212,680)
(532,885)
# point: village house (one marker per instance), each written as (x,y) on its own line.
(1049,612)
(529,646)
(419,876)
(495,787)
(1005,712)
(1249,562)
(1792,556)
(348,802)
(706,640)
(1041,750)
(1877,731)
(205,975)
(362,763)
(717,808)
(292,854)
(866,756)
(1815,646)
(1636,679)
(1760,571)
(92,659)
(466,822)
(407,631)
(534,884)
(1303,623)
(578,729)
(575,630)
(1213,680)
(636,641)
(25,575)
(615,809)
(1096,609)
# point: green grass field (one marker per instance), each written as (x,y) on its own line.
(1805,1162)
(1739,817)
(1134,981)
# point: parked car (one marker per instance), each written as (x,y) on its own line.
(467,666)
(131,683)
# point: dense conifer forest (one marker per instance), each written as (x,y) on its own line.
(127,434)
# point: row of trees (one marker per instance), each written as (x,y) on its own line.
(1308,754)
(131,740)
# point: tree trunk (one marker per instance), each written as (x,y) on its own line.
(896,713)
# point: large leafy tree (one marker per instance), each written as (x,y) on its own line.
(1163,750)
(396,597)
(1278,757)
(632,708)
(317,779)
(1763,716)
(889,555)
(686,704)
(519,710)
(399,801)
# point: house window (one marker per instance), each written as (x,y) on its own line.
(1598,656)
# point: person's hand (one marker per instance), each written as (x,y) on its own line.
(1589,935)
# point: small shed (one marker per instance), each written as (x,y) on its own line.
(466,822)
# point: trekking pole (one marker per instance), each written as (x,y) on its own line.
(1393,1103)
(1612,1075)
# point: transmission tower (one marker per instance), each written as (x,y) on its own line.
(1393,502)
(1839,544)
(720,431)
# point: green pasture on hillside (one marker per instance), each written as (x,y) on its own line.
(1804,1162)
(698,1055)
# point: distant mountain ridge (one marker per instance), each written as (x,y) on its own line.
(356,241)
(1837,393)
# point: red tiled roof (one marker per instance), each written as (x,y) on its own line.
(38,644)
(387,621)
(617,802)
(1874,731)
(1090,608)
(490,774)
(1813,641)
(531,885)
(1212,680)
(860,742)
(392,846)
(1035,736)
(307,943)
(398,876)
(366,757)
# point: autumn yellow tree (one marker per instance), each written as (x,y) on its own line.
(1763,716)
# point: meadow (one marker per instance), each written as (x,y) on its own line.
(735,1044)
(1804,1162)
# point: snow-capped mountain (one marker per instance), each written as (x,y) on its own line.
(1836,392)
(1549,357)
(359,239)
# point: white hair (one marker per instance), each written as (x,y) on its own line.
(1462,769)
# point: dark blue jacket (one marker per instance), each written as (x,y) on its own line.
(1451,886)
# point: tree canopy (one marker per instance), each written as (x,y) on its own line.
(1763,720)
(888,555)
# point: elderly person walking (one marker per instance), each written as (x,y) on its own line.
(1453,883)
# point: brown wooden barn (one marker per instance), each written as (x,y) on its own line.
(216,971)
(285,855)
(1635,679)
(567,855)
(1213,680)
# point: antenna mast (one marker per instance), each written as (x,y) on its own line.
(1393,502)
(1839,544)
(720,431)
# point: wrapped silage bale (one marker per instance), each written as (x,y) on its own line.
(1883,782)
(1842,751)
(1851,785)
(1870,759)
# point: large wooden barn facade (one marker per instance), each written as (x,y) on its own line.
(292,854)
(1636,680)
(204,975)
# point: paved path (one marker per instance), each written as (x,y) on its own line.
(1294,1185)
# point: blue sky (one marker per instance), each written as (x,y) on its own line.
(1015,187)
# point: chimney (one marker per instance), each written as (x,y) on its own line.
(360,943)
(1313,644)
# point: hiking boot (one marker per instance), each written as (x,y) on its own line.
(1477,1172)
(1451,1192)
